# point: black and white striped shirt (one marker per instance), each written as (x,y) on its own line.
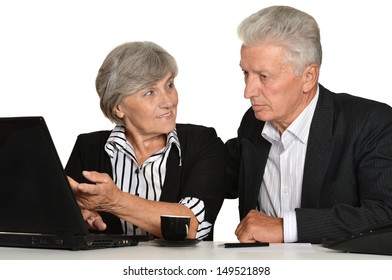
(146,180)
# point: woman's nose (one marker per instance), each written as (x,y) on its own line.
(167,98)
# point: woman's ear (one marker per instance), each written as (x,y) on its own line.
(311,75)
(118,111)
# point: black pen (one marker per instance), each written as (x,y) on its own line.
(247,244)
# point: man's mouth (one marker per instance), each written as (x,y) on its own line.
(166,115)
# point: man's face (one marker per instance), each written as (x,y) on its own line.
(275,92)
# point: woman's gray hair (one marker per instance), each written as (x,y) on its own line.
(287,27)
(129,68)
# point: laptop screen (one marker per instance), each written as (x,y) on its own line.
(35,196)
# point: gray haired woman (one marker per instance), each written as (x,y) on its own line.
(148,165)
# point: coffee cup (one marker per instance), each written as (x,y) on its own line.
(175,228)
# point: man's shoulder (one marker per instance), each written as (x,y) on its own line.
(353,109)
(250,125)
(349,101)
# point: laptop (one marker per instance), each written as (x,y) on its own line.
(37,205)
(376,240)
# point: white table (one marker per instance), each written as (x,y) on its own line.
(204,250)
(209,259)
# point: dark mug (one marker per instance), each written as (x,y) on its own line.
(175,228)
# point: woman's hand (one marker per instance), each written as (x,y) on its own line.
(93,219)
(101,195)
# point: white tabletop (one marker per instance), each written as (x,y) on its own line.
(204,250)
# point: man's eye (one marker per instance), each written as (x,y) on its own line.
(263,77)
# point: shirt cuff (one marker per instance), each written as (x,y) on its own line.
(197,207)
(290,231)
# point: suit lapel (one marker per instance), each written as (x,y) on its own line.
(255,155)
(319,150)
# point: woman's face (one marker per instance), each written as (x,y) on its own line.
(151,111)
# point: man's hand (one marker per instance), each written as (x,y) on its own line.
(257,226)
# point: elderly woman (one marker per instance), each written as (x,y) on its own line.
(148,165)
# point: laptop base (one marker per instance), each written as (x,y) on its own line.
(58,241)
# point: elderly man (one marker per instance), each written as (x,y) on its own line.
(307,163)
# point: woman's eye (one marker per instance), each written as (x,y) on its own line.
(171,85)
(148,93)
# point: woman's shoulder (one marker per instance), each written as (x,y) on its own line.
(192,129)
(94,136)
(193,135)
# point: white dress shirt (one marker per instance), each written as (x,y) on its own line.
(281,188)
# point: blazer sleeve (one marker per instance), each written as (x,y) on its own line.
(203,167)
(233,157)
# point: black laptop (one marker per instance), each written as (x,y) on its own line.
(377,240)
(37,206)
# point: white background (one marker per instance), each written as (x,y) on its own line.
(50,52)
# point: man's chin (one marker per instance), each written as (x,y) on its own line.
(261,116)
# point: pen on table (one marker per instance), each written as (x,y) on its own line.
(244,245)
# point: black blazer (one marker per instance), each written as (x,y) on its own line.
(347,182)
(201,174)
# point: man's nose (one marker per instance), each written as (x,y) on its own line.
(252,85)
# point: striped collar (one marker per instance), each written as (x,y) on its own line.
(118,141)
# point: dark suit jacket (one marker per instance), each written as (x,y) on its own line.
(201,174)
(347,181)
